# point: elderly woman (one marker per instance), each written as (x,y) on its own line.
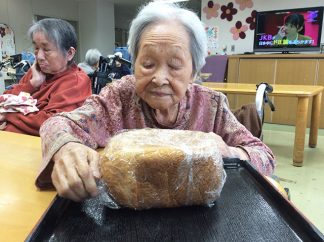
(91,61)
(168,48)
(54,80)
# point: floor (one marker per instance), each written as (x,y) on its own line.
(305,183)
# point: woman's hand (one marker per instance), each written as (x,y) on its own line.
(75,171)
(229,151)
(2,117)
(38,77)
(282,32)
(3,123)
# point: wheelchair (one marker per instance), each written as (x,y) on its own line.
(252,115)
(104,75)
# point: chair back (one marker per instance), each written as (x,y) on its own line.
(217,66)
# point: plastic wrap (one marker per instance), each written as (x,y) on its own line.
(149,168)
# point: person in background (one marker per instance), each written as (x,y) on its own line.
(119,69)
(91,61)
(293,29)
(53,80)
(168,49)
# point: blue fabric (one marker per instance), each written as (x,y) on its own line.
(28,56)
(125,53)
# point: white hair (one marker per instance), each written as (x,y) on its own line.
(155,12)
(92,57)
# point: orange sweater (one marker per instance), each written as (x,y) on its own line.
(61,93)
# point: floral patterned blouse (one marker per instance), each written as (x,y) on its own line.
(118,107)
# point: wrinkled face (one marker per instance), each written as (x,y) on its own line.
(163,68)
(49,58)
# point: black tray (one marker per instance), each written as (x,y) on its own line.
(249,209)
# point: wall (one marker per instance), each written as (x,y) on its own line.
(96,26)
(95,18)
(246,45)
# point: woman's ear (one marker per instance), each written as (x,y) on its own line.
(71,53)
(299,29)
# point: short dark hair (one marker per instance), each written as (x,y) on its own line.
(296,20)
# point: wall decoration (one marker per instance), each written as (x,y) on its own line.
(228,11)
(7,41)
(238,30)
(252,20)
(244,4)
(211,10)
(212,39)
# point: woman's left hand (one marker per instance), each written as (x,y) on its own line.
(230,151)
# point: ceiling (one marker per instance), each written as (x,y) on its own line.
(126,4)
(140,2)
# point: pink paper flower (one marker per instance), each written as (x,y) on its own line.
(211,9)
(238,30)
(244,4)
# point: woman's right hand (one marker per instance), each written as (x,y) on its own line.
(282,31)
(38,77)
(2,117)
(75,171)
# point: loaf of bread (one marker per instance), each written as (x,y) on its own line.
(148,168)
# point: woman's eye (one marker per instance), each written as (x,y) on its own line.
(174,67)
(148,65)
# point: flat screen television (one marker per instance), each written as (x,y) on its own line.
(290,30)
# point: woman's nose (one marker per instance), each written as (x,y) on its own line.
(161,76)
(40,54)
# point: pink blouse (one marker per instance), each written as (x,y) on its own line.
(118,107)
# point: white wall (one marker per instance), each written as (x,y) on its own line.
(246,45)
(96,26)
(95,18)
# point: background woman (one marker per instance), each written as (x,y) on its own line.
(54,79)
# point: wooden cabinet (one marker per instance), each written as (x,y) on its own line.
(299,69)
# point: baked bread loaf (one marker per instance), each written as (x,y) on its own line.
(148,168)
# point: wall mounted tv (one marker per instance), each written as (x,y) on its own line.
(290,30)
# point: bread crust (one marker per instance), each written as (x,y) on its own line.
(162,168)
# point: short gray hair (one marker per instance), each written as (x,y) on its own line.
(155,12)
(92,57)
(59,31)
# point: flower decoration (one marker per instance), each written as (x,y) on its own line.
(2,32)
(238,30)
(228,11)
(244,4)
(211,9)
(252,20)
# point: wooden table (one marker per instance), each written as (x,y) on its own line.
(303,93)
(21,204)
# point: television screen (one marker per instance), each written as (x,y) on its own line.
(289,30)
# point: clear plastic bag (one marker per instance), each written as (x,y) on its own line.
(148,168)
